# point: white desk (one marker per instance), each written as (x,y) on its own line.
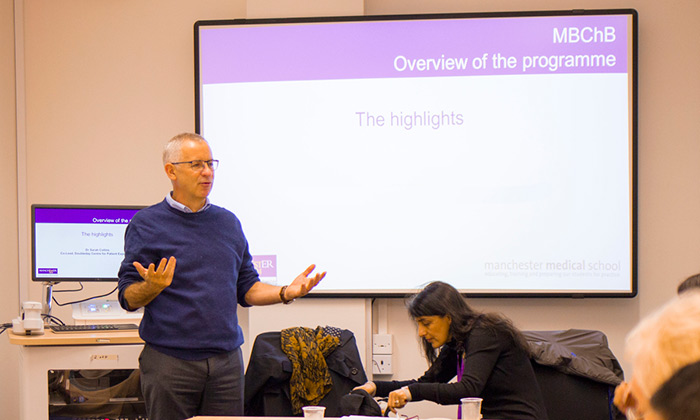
(250,418)
(41,353)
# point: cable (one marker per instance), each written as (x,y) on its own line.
(71,290)
(4,327)
(52,319)
(84,300)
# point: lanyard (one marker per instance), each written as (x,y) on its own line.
(460,373)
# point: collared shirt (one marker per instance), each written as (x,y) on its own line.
(183,208)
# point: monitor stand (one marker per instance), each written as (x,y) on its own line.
(47,295)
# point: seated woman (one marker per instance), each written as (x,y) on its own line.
(486,352)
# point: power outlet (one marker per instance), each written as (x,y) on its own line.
(381,364)
(381,344)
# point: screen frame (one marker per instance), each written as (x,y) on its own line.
(54,280)
(633,109)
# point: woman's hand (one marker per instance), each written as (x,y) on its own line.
(368,386)
(398,399)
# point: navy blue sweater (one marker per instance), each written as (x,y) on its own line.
(195,317)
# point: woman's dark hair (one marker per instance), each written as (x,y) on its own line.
(442,299)
(679,397)
(691,283)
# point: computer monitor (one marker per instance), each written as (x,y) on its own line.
(78,242)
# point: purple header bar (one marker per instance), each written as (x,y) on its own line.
(415,48)
(84,216)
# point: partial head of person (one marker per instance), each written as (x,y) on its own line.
(691,283)
(661,344)
(188,163)
(442,314)
(679,397)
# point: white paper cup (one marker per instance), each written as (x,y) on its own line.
(314,412)
(471,408)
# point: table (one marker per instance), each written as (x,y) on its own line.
(278,418)
(66,351)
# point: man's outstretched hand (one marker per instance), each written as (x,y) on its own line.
(158,278)
(303,284)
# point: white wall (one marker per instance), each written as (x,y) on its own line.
(108,82)
(9,294)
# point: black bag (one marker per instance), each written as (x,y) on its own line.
(359,403)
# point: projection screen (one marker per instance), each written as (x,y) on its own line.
(495,152)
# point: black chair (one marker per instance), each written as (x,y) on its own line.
(269,370)
(577,374)
(570,397)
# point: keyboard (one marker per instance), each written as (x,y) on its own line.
(92,328)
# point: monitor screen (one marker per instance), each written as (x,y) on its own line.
(78,243)
(496,152)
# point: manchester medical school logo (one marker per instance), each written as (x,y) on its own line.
(266,265)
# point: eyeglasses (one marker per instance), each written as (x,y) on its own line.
(198,165)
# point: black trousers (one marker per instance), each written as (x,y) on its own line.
(176,389)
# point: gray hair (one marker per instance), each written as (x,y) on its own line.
(665,341)
(173,149)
